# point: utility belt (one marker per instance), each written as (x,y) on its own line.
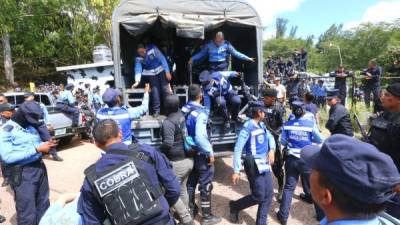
(255,166)
(152,72)
(15,171)
(218,66)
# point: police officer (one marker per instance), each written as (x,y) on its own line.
(340,76)
(373,85)
(274,121)
(303,60)
(122,114)
(42,126)
(281,67)
(151,63)
(319,90)
(384,134)
(339,121)
(296,134)
(124,185)
(6,111)
(257,146)
(270,63)
(292,86)
(218,52)
(216,86)
(348,197)
(21,149)
(66,104)
(203,171)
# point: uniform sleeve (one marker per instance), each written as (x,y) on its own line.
(237,54)
(167,178)
(168,133)
(45,113)
(71,99)
(91,211)
(138,69)
(317,137)
(9,154)
(240,143)
(334,120)
(162,60)
(200,55)
(271,142)
(137,112)
(201,138)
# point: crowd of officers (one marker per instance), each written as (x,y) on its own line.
(348,181)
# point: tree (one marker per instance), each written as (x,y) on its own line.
(281,27)
(293,31)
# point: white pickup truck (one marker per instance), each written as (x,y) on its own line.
(59,124)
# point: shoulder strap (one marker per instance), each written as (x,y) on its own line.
(133,152)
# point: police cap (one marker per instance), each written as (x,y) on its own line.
(6,107)
(330,94)
(297,104)
(394,89)
(355,168)
(28,94)
(32,111)
(270,92)
(257,105)
(111,95)
(69,86)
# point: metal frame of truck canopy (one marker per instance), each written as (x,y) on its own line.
(193,19)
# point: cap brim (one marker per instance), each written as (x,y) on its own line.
(310,154)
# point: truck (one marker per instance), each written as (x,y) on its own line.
(179,29)
(59,124)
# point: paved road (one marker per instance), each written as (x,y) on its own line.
(67,176)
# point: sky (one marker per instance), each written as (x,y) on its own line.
(313,17)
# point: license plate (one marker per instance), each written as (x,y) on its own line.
(60,131)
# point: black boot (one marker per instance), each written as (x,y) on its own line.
(233,213)
(193,208)
(57,158)
(208,218)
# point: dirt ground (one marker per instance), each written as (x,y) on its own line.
(67,176)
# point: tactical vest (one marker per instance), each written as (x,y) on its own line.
(299,135)
(126,190)
(121,116)
(257,144)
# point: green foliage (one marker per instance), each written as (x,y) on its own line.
(358,46)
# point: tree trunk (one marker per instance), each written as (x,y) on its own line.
(8,66)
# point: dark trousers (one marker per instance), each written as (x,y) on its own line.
(277,168)
(69,110)
(159,90)
(342,93)
(32,195)
(202,174)
(294,168)
(261,193)
(375,90)
(233,101)
(320,101)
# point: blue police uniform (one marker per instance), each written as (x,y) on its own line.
(160,173)
(337,160)
(66,104)
(202,173)
(18,150)
(218,55)
(220,89)
(341,85)
(254,143)
(296,134)
(121,114)
(373,86)
(153,66)
(319,91)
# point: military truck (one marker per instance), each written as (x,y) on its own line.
(179,29)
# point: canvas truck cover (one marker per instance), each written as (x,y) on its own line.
(190,18)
